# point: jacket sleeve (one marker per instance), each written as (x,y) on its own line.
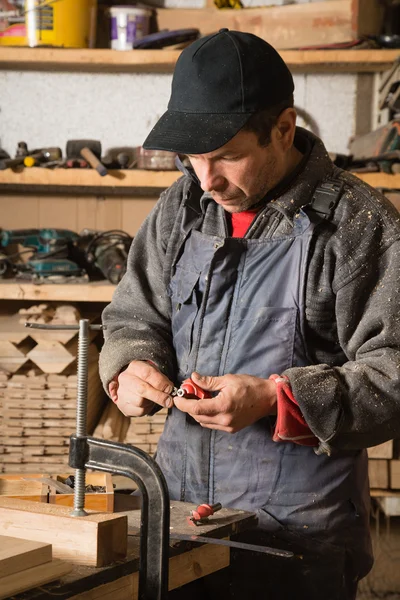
(356,403)
(137,321)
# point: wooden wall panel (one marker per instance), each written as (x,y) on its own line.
(74,212)
(18,211)
(58,212)
(134,213)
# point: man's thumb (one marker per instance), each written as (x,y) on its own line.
(207,382)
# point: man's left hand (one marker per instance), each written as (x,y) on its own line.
(241,401)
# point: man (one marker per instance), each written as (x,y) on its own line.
(271,278)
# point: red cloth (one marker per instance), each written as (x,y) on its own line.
(241,222)
(290,423)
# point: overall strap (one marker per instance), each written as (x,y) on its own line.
(191,218)
(324,201)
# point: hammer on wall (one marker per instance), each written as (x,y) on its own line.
(90,150)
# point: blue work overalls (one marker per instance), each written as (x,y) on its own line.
(238,306)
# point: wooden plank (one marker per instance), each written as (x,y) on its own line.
(30,578)
(164,60)
(378,471)
(394,466)
(104,535)
(384,450)
(285,27)
(18,554)
(101,291)
(11,329)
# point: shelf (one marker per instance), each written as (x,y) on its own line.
(86,178)
(119,180)
(97,291)
(148,61)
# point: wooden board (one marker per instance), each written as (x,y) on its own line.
(288,26)
(384,450)
(104,535)
(378,471)
(394,466)
(183,569)
(18,554)
(36,576)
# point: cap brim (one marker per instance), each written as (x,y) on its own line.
(194,133)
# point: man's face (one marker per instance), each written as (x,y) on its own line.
(239,174)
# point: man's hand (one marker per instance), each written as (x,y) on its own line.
(139,387)
(241,401)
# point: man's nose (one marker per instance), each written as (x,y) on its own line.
(210,178)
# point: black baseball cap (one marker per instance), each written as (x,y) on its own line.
(219,81)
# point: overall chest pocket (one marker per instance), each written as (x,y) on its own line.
(263,339)
(185,303)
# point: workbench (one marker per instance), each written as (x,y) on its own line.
(188,560)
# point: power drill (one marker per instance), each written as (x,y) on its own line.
(103,253)
(50,248)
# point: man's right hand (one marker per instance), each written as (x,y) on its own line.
(139,387)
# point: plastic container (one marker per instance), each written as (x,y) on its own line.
(65,23)
(128,24)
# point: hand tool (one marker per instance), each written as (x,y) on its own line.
(165,38)
(90,150)
(42,155)
(120,459)
(201,539)
(200,515)
(76,163)
(10,163)
(22,149)
(190,390)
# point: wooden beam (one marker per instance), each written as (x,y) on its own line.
(17,555)
(95,540)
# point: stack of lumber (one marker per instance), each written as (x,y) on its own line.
(38,399)
(142,432)
(25,564)
(384,466)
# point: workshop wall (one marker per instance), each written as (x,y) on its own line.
(47,109)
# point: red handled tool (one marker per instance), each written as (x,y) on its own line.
(200,515)
(191,391)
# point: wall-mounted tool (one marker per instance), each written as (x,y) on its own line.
(43,155)
(90,150)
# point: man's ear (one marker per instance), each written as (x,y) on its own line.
(286,127)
